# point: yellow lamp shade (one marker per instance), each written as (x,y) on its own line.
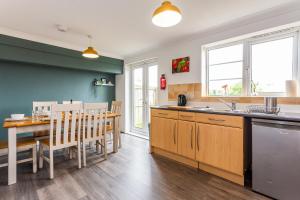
(166,15)
(90,52)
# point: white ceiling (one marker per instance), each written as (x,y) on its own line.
(120,28)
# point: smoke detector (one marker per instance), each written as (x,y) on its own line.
(62,28)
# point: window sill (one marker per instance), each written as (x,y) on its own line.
(258,100)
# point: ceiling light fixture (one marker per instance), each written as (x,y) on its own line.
(90,52)
(166,15)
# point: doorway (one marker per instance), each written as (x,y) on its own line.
(144,95)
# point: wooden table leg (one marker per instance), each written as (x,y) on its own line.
(115,135)
(12,156)
(119,133)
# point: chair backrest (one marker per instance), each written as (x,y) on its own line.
(116,107)
(94,120)
(65,125)
(73,102)
(43,106)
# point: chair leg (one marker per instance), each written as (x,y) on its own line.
(101,145)
(91,145)
(105,147)
(34,158)
(66,153)
(97,146)
(119,135)
(84,154)
(79,155)
(51,163)
(70,153)
(41,154)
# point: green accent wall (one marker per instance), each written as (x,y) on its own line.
(26,51)
(20,84)
(31,71)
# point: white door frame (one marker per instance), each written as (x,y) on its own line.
(145,66)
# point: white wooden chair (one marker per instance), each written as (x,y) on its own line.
(65,127)
(73,102)
(23,144)
(44,107)
(116,107)
(94,126)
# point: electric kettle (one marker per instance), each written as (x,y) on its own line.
(181,100)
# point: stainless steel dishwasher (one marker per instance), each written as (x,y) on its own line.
(276,158)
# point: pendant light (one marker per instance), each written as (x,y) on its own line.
(90,52)
(166,15)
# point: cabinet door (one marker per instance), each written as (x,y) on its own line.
(220,147)
(156,135)
(186,139)
(169,135)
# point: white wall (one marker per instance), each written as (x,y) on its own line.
(191,46)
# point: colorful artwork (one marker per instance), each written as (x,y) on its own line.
(181,65)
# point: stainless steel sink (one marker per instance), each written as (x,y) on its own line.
(229,111)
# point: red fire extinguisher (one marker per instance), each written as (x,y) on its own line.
(163,82)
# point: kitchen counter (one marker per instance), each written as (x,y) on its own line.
(285,116)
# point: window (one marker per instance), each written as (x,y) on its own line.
(272,65)
(257,66)
(225,74)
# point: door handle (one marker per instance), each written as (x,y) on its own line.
(192,137)
(174,133)
(197,137)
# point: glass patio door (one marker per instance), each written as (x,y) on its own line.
(144,95)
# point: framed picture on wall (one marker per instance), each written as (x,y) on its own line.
(181,65)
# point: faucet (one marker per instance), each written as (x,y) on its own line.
(232,106)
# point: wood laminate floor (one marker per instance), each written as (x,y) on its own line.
(131,174)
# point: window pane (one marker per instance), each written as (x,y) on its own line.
(225,88)
(138,97)
(226,54)
(226,71)
(272,65)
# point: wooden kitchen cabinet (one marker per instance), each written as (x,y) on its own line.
(211,142)
(186,139)
(164,134)
(220,147)
(156,136)
(170,135)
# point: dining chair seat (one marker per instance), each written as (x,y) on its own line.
(46,141)
(109,128)
(41,134)
(23,144)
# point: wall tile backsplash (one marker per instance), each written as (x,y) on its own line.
(191,90)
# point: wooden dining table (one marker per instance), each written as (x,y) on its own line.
(29,125)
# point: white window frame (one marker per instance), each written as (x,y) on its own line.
(207,61)
(247,42)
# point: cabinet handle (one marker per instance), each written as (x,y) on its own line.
(197,137)
(192,137)
(174,133)
(216,120)
(163,113)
